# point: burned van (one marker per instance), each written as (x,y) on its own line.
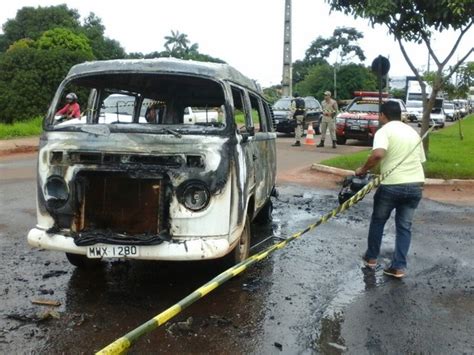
(131,178)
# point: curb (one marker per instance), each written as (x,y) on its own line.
(343,173)
(19,149)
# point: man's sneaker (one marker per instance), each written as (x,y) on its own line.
(321,144)
(372,263)
(394,272)
(296,144)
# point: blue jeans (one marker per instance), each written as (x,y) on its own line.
(404,198)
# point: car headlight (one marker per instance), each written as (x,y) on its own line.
(57,192)
(374,123)
(195,196)
(340,120)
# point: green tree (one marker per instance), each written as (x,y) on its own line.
(353,77)
(316,82)
(417,21)
(102,46)
(65,39)
(398,94)
(29,77)
(31,22)
(176,44)
(22,43)
(343,41)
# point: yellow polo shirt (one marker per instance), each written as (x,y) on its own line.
(400,141)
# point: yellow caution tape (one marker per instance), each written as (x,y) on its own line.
(120,345)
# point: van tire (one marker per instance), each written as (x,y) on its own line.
(242,249)
(341,140)
(82,261)
(264,216)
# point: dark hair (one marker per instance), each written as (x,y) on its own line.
(296,94)
(391,109)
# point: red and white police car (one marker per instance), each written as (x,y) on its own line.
(360,120)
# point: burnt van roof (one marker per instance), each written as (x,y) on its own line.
(163,66)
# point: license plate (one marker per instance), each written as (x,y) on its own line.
(112,251)
(355,128)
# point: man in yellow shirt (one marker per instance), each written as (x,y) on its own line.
(395,145)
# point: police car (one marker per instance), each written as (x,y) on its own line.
(284,122)
(361,119)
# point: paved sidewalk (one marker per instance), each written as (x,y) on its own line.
(19,145)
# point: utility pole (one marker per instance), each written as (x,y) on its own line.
(287,72)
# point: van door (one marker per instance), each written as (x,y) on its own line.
(264,150)
(245,173)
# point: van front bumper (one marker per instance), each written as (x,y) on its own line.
(195,248)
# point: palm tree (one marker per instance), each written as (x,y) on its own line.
(177,44)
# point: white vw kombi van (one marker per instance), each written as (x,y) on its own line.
(130,179)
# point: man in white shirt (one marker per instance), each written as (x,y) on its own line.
(396,145)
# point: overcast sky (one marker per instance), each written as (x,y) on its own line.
(248,34)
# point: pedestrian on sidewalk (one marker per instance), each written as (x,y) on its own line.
(394,143)
(329,119)
(298,109)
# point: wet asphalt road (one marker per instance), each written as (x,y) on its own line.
(312,297)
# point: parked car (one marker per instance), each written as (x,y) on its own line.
(284,122)
(117,184)
(414,110)
(437,117)
(450,111)
(462,106)
(361,119)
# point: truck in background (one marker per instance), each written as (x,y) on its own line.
(414,98)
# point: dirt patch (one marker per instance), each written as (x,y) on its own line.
(19,150)
(458,194)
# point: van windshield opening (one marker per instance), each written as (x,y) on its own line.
(141,101)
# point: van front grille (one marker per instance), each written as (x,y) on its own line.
(119,204)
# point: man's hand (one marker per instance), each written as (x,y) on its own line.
(360,171)
(374,159)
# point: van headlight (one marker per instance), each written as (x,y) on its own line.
(57,192)
(195,196)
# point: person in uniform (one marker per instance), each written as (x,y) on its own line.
(298,109)
(329,119)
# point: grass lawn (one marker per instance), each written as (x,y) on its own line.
(448,158)
(31,127)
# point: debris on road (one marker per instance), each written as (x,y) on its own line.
(45,302)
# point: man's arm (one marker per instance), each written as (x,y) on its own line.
(62,111)
(372,161)
(76,111)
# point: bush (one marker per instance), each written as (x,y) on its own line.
(29,78)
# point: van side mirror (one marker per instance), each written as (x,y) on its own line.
(246,133)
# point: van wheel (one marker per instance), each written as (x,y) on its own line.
(242,249)
(341,140)
(83,262)
(264,216)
